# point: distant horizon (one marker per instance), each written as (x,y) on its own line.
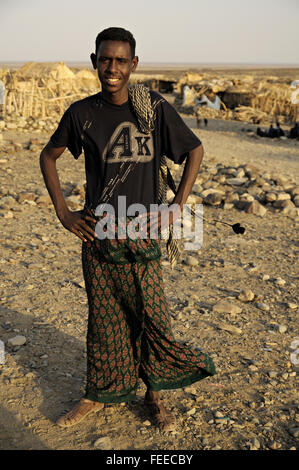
(86,63)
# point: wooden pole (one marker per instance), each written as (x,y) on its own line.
(31,97)
(9,103)
(5,101)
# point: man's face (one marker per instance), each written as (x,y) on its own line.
(114,64)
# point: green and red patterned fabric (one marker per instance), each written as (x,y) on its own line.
(129,332)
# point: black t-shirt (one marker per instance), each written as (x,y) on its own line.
(111,141)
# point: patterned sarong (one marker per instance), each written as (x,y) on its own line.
(129,332)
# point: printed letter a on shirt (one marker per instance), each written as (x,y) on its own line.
(121,145)
(128,144)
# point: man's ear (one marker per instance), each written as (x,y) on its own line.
(135,61)
(93,59)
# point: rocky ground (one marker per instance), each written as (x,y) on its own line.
(235,298)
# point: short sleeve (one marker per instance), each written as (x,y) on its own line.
(67,134)
(177,139)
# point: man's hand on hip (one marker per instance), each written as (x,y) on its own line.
(77,223)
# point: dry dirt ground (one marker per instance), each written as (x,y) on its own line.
(250,403)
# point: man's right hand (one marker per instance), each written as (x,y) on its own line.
(76,222)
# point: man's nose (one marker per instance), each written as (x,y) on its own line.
(112,65)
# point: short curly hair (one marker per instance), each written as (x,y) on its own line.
(116,34)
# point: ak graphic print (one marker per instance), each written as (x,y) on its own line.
(111,141)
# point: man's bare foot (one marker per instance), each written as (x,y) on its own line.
(80,410)
(163,417)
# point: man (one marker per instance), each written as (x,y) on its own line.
(272,133)
(279,131)
(198,117)
(294,132)
(129,334)
(260,132)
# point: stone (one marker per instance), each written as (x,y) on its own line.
(268,425)
(255,443)
(11,125)
(283,196)
(227,206)
(231,197)
(294,432)
(213,199)
(270,197)
(255,208)
(225,306)
(239,173)
(74,202)
(246,295)
(237,181)
(43,200)
(103,443)
(193,199)
(191,412)
(18,340)
(292,305)
(290,210)
(246,197)
(6,214)
(33,142)
(296,201)
(197,189)
(279,281)
(230,328)
(295,191)
(263,306)
(274,445)
(191,261)
(204,194)
(147,423)
(169,194)
(7,202)
(282,328)
(283,204)
(280,180)
(26,196)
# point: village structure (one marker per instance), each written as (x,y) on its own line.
(40,90)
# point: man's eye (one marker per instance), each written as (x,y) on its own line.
(103,59)
(122,61)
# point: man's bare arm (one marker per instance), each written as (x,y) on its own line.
(72,221)
(190,173)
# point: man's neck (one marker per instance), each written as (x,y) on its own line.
(116,98)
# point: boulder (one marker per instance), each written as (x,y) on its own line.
(255,208)
(213,199)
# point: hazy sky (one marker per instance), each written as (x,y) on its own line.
(199,31)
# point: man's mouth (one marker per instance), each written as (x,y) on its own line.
(112,81)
